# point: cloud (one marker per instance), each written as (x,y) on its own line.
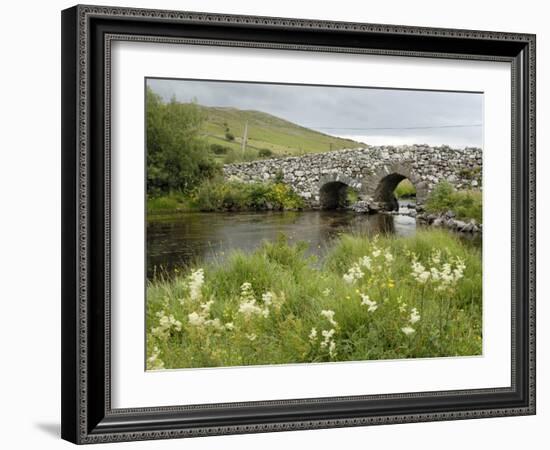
(388,116)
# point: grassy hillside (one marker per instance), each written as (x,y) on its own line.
(268,136)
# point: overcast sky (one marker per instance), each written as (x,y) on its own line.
(373,116)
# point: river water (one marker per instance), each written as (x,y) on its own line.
(180,239)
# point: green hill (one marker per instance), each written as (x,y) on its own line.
(268,136)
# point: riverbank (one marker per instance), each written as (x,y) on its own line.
(379,298)
(229,196)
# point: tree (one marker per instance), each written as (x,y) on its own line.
(177,156)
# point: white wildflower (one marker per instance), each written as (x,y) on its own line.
(408,330)
(196,319)
(159,332)
(278,300)
(365,262)
(206,306)
(402,307)
(326,292)
(251,337)
(376,252)
(329,315)
(249,309)
(154,362)
(419,272)
(267,298)
(332,349)
(246,291)
(458,272)
(388,256)
(446,274)
(365,300)
(423,277)
(313,335)
(248,306)
(214,323)
(229,326)
(196,280)
(354,273)
(415,316)
(327,337)
(328,342)
(167,323)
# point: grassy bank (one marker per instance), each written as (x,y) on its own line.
(465,204)
(220,195)
(371,299)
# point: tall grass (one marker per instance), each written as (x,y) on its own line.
(170,202)
(370,299)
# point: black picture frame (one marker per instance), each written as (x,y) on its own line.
(87,32)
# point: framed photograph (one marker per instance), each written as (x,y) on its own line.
(278,224)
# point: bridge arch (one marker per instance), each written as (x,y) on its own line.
(333,190)
(382,184)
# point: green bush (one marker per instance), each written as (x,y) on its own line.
(218,149)
(279,176)
(265,153)
(470,173)
(229,136)
(465,204)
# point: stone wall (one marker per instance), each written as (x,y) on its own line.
(372,171)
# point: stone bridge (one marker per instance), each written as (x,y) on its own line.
(322,179)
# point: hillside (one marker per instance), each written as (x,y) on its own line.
(268,136)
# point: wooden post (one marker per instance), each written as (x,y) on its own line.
(245,137)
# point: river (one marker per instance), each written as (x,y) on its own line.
(180,239)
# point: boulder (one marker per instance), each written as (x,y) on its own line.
(459,225)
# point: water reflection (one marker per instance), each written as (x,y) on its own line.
(184,238)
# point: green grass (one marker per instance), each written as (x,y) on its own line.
(352,196)
(405,189)
(195,321)
(465,204)
(265,132)
(172,202)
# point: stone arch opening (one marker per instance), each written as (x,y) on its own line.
(385,191)
(336,195)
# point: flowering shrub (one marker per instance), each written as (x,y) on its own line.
(370,299)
